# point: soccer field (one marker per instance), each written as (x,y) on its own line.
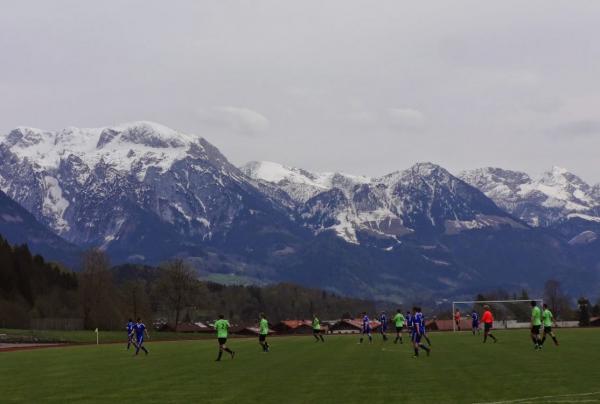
(297,370)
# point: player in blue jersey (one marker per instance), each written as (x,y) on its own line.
(129,327)
(475,322)
(418,328)
(366,329)
(139,330)
(422,328)
(409,323)
(383,325)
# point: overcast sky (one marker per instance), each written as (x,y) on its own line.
(365,87)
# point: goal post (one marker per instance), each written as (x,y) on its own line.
(507,311)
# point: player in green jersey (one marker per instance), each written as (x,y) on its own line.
(263,331)
(316,326)
(399,323)
(547,320)
(536,324)
(222,327)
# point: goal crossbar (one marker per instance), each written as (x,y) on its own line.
(498,301)
(454,303)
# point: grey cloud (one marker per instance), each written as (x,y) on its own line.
(406,118)
(236,119)
(576,129)
(363,81)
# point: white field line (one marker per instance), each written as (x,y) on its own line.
(528,399)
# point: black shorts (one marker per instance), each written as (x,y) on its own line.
(222,341)
(487,326)
(399,329)
(262,337)
(535,329)
(316,331)
(547,330)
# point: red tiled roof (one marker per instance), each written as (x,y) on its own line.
(296,323)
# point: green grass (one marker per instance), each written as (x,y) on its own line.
(460,370)
(89,337)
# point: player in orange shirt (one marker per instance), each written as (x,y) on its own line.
(488,322)
(457,319)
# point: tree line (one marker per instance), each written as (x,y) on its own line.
(104,296)
(563,307)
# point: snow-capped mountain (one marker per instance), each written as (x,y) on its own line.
(300,184)
(107,185)
(555,196)
(422,198)
(147,193)
(423,226)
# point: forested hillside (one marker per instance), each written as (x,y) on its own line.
(104,296)
(31,287)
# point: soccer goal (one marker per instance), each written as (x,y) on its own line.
(507,313)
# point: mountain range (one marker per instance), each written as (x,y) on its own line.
(146,193)
(555,196)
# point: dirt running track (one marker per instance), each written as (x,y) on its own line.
(20,347)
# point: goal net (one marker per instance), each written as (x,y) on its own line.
(507,313)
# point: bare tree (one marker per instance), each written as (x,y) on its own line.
(552,294)
(96,289)
(556,299)
(136,299)
(177,287)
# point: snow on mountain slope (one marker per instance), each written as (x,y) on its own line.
(554,196)
(136,145)
(426,196)
(300,184)
(88,184)
(564,190)
(419,199)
